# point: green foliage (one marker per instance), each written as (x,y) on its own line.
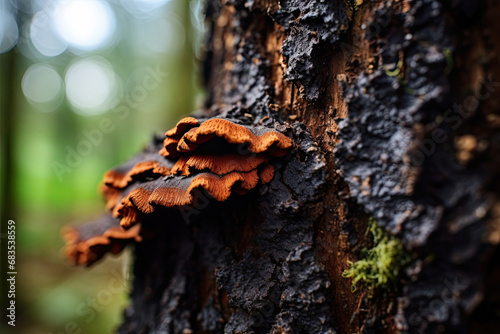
(379,266)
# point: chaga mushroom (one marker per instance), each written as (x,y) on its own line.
(214,158)
(256,139)
(85,244)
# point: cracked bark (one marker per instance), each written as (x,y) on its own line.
(392,108)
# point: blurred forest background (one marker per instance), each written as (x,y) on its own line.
(84,85)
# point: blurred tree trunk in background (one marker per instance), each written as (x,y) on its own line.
(401,98)
(7,98)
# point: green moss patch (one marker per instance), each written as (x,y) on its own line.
(379,266)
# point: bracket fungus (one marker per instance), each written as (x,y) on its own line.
(213,158)
(256,139)
(86,244)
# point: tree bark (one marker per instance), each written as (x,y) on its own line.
(393,110)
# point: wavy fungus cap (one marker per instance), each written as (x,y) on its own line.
(257,139)
(85,244)
(215,158)
(140,167)
(174,135)
(180,191)
(217,163)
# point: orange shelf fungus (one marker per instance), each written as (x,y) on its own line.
(217,163)
(180,191)
(145,165)
(174,135)
(214,158)
(120,178)
(256,139)
(85,244)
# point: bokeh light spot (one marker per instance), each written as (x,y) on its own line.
(91,85)
(9,32)
(43,86)
(44,37)
(85,24)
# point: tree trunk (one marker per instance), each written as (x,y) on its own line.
(392,109)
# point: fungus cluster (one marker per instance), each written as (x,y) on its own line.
(214,158)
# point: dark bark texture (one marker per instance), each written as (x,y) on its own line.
(394,111)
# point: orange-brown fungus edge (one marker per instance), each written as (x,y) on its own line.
(114,182)
(182,126)
(118,180)
(111,195)
(275,143)
(266,174)
(218,164)
(80,252)
(174,135)
(144,201)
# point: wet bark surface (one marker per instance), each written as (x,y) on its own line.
(393,111)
